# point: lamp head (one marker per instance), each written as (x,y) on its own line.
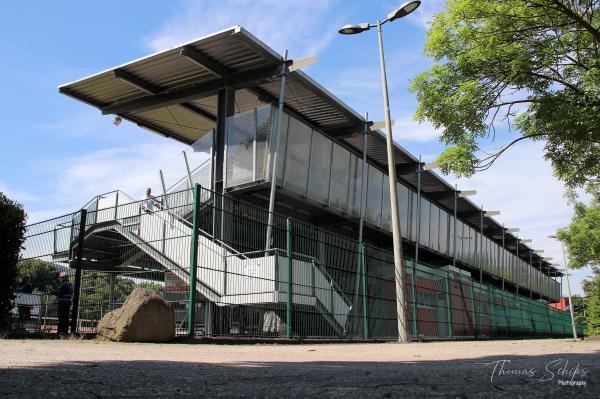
(352,29)
(403,10)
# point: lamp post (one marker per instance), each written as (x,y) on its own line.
(350,29)
(568,286)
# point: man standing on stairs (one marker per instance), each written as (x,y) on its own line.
(147,203)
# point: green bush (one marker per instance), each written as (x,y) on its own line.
(12,230)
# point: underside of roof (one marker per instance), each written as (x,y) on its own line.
(174,93)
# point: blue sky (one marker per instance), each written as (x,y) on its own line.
(57,153)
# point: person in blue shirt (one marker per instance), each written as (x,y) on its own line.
(64,296)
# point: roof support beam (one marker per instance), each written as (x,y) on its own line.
(152,89)
(135,81)
(407,169)
(199,111)
(345,132)
(204,61)
(195,92)
(440,195)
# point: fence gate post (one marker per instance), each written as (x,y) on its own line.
(78,256)
(475,326)
(191,327)
(365,302)
(492,309)
(288,307)
(415,323)
(449,304)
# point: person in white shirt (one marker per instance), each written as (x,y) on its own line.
(148,200)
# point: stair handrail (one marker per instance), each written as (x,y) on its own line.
(316,264)
(185,178)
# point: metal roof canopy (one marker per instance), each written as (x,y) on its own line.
(173,93)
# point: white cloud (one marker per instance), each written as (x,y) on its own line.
(79,124)
(75,180)
(522,186)
(303,27)
(426,11)
(406,129)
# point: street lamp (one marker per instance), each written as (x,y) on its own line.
(351,29)
(568,286)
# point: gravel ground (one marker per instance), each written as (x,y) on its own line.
(482,369)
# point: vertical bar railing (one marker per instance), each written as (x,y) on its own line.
(78,257)
(194,262)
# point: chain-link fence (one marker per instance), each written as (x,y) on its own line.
(196,246)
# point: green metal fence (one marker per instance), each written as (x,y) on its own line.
(199,247)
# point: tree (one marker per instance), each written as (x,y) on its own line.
(592,308)
(12,231)
(43,274)
(582,236)
(530,65)
(579,309)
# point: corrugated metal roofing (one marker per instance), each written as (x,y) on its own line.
(229,52)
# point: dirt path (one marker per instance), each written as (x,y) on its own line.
(81,369)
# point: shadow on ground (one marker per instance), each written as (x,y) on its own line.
(538,376)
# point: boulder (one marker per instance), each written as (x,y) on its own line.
(144,317)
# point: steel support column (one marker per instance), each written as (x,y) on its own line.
(480,247)
(289,293)
(365,290)
(225,109)
(273,153)
(455,219)
(77,264)
(193,263)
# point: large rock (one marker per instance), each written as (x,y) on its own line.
(144,317)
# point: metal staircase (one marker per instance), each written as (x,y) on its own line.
(225,276)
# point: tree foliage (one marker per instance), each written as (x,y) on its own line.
(12,230)
(96,293)
(592,305)
(582,236)
(43,274)
(531,65)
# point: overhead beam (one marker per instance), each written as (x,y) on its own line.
(135,81)
(346,132)
(153,89)
(204,61)
(165,99)
(439,195)
(407,169)
(199,111)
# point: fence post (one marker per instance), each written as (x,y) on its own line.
(531,317)
(288,307)
(194,262)
(449,304)
(415,325)
(492,308)
(116,204)
(475,327)
(549,321)
(78,256)
(365,302)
